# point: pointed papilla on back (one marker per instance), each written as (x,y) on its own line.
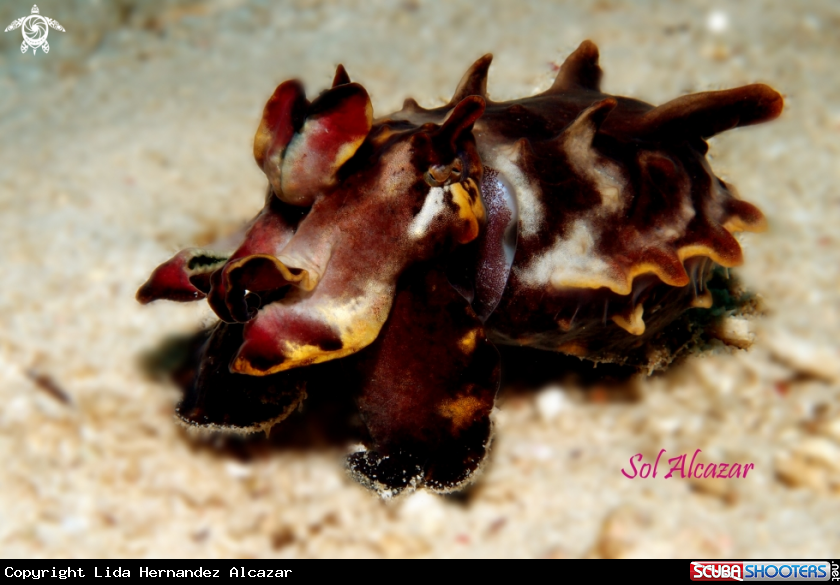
(341,76)
(474,81)
(580,70)
(706,114)
(411,105)
(460,121)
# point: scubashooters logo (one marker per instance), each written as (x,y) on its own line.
(764,571)
(35,29)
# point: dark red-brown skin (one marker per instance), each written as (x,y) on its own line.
(407,218)
(435,418)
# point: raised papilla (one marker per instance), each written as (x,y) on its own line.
(407,245)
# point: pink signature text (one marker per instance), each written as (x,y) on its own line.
(678,464)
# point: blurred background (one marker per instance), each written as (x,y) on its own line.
(132,138)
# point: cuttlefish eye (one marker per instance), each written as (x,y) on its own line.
(441,175)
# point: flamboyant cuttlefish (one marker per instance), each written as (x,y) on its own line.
(406,246)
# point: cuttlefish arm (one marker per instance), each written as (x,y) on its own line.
(188,275)
(217,400)
(428,384)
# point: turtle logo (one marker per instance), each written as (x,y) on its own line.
(35,30)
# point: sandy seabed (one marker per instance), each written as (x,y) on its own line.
(132,138)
